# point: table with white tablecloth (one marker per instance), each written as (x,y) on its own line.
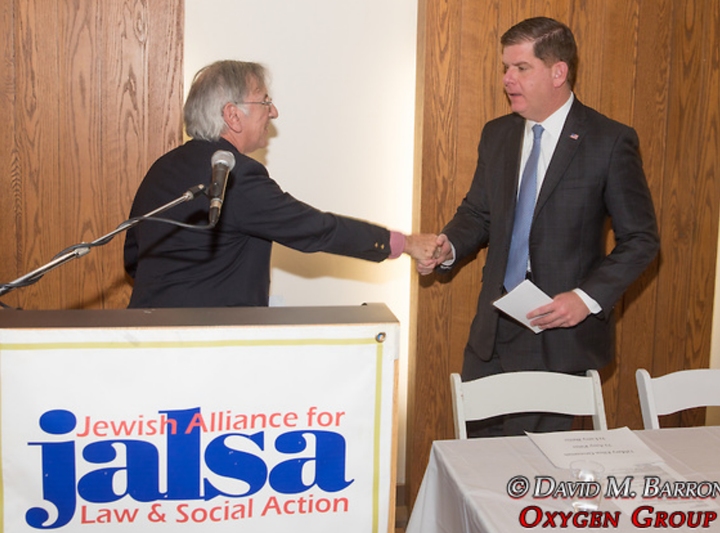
(468,487)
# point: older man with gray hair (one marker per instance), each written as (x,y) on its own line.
(228,109)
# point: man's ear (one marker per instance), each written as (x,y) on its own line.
(233,117)
(559,73)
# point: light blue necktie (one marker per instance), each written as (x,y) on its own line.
(519,250)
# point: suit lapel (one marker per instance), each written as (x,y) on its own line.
(568,144)
(511,171)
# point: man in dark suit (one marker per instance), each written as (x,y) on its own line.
(228,109)
(585,169)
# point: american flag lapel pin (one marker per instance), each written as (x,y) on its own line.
(574,136)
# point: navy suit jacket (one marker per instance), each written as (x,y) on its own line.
(230,265)
(595,173)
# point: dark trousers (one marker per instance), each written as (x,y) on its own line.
(517,348)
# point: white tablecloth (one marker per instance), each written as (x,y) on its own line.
(465,487)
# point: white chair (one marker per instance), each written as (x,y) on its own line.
(527,392)
(677,391)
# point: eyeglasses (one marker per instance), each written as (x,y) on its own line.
(267,103)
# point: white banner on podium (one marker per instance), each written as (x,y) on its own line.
(259,429)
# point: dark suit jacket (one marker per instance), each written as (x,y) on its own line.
(230,265)
(595,173)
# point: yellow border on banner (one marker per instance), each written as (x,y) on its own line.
(179,344)
(2,484)
(221,344)
(376,443)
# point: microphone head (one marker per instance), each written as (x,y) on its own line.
(223,157)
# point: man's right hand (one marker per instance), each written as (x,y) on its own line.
(443,252)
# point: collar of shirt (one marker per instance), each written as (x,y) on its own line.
(553,126)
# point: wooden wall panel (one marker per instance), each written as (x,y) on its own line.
(37,117)
(10,182)
(652,64)
(650,106)
(702,37)
(165,37)
(80,148)
(480,66)
(689,206)
(93,92)
(438,134)
(614,94)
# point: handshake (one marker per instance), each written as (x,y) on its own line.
(428,250)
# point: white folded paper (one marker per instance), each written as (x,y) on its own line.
(615,449)
(521,300)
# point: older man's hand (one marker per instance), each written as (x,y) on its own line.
(420,246)
(441,252)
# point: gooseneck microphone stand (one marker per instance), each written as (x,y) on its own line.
(78,250)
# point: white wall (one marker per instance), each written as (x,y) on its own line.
(343,79)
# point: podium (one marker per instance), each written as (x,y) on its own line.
(250,419)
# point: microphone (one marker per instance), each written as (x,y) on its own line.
(222,163)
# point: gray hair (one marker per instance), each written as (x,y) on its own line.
(214,86)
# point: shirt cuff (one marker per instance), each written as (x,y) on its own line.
(397,244)
(592,305)
(450,262)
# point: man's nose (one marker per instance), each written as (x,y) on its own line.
(507,78)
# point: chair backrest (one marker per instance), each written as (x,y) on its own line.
(677,391)
(527,392)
